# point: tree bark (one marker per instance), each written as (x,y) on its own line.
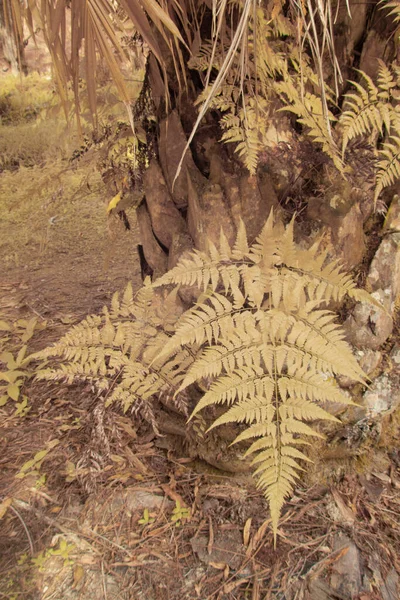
(11,42)
(185,213)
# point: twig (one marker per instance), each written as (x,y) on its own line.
(28,535)
(104,581)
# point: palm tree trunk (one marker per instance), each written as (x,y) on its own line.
(10,40)
(212,190)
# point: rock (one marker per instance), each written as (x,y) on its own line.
(390,589)
(369,360)
(345,582)
(133,500)
(390,586)
(191,579)
(346,571)
(369,326)
(154,254)
(166,220)
(384,272)
(315,589)
(227,549)
(395,357)
(74,573)
(384,395)
(392,220)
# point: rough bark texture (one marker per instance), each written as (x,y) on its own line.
(166,220)
(172,144)
(184,215)
(13,49)
(154,254)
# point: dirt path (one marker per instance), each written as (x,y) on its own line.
(61,269)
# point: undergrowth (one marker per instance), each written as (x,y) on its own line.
(24,98)
(42,183)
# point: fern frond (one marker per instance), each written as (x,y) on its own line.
(388,165)
(259,341)
(208,270)
(271,362)
(116,351)
(309,111)
(394,8)
(370,109)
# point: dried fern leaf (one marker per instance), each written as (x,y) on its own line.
(371,109)
(273,360)
(260,342)
(119,352)
(388,165)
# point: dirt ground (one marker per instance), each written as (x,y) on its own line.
(94,506)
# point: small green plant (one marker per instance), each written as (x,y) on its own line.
(180,514)
(146,519)
(15,360)
(64,550)
(14,376)
(32,466)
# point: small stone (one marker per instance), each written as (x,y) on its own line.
(346,572)
(392,220)
(395,356)
(369,360)
(383,396)
(391,588)
(384,272)
(369,326)
(136,501)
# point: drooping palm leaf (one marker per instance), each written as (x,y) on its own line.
(88,29)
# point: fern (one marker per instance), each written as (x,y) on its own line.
(248,130)
(269,346)
(260,342)
(374,110)
(388,164)
(309,111)
(394,8)
(115,351)
(277,72)
(246,105)
(370,109)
